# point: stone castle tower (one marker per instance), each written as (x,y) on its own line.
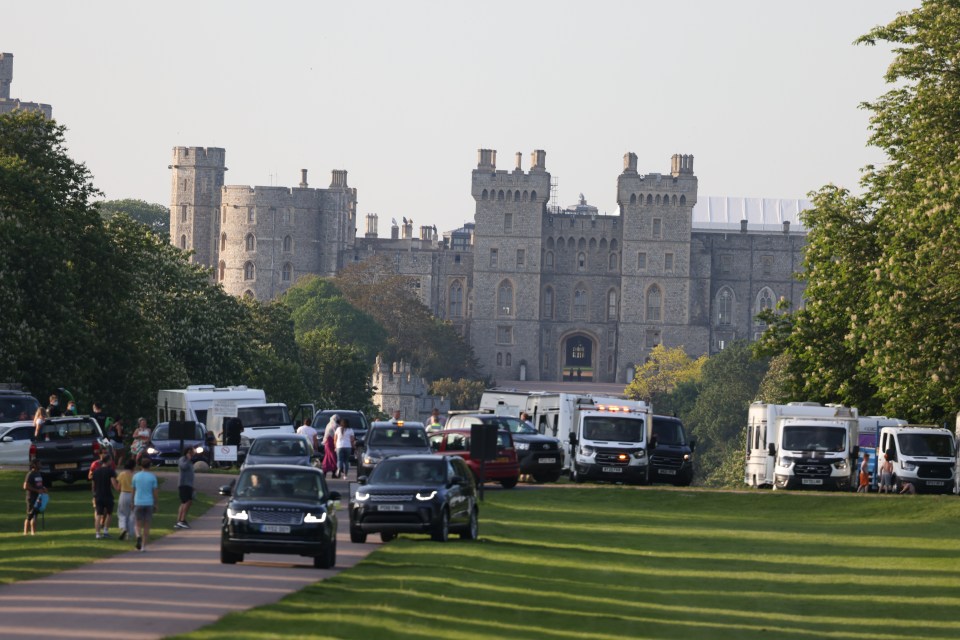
(7,103)
(397,388)
(258,240)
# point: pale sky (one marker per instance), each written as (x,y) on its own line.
(763,93)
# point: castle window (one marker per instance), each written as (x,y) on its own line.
(612,305)
(725,307)
(499,359)
(483,194)
(456,299)
(766,264)
(668,262)
(251,218)
(673,200)
(223,214)
(582,244)
(653,338)
(526,196)
(633,198)
(611,339)
(509,196)
(249,272)
(505,299)
(504,335)
(183,213)
(726,263)
(548,302)
(248,294)
(610,363)
(287,244)
(493,259)
(765,299)
(456,259)
(548,260)
(657,228)
(516,197)
(500,195)
(581,261)
(183,242)
(287,274)
(654,303)
(221,270)
(533,195)
(614,261)
(509,359)
(508,223)
(579,304)
(658,198)
(613,245)
(251,242)
(649,199)
(223,241)
(286,216)
(521,256)
(642,261)
(683,200)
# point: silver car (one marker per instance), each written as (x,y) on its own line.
(280,449)
(15,442)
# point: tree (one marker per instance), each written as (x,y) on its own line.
(463,393)
(155,216)
(336,373)
(663,371)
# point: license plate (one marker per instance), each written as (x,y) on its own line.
(612,470)
(668,472)
(816,481)
(503,459)
(275,528)
(389,507)
(548,460)
(935,483)
(71,465)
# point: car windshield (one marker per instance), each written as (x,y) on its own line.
(264,416)
(258,482)
(287,447)
(669,432)
(400,471)
(513,425)
(398,437)
(613,429)
(809,438)
(14,408)
(162,432)
(926,444)
(62,430)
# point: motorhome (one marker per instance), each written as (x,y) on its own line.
(504,402)
(801,445)
(606,438)
(924,456)
(869,427)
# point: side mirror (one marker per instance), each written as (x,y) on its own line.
(334,495)
(7,438)
(362,480)
(693,444)
(457,480)
(226,490)
(772,449)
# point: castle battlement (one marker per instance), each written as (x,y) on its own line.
(511,186)
(213,157)
(679,187)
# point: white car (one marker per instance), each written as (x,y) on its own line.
(15,442)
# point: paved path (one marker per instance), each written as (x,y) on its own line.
(176,586)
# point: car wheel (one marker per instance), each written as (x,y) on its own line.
(357,536)
(548,476)
(576,477)
(473,527)
(329,557)
(442,532)
(226,557)
(509,483)
(387,536)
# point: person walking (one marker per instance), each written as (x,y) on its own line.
(310,434)
(104,477)
(146,499)
(125,506)
(864,486)
(329,464)
(345,441)
(185,487)
(33,485)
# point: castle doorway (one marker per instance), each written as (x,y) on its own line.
(577,363)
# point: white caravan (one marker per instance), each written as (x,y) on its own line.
(924,456)
(801,445)
(504,402)
(605,438)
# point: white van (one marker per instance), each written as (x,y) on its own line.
(924,456)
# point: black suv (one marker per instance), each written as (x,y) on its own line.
(356,420)
(388,439)
(672,460)
(539,455)
(17,406)
(416,494)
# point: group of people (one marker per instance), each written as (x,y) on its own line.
(886,477)
(337,443)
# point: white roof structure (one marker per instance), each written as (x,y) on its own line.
(716,213)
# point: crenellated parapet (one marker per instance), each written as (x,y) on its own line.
(501,186)
(676,189)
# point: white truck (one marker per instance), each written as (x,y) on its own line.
(801,445)
(606,438)
(924,456)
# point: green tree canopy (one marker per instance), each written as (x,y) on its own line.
(664,370)
(155,216)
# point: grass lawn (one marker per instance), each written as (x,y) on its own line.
(616,562)
(68,540)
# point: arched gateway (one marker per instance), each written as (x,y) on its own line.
(577,359)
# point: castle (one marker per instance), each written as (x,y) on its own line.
(7,103)
(540,292)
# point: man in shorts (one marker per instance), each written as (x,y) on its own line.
(145,500)
(185,486)
(104,477)
(33,485)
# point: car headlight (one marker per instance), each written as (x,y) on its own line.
(426,495)
(233,514)
(908,466)
(312,519)
(786,463)
(639,454)
(521,446)
(362,497)
(840,465)
(198,449)
(368,459)
(686,456)
(152,451)
(586,450)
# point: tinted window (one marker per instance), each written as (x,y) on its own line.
(274,483)
(278,447)
(162,432)
(668,432)
(803,438)
(398,437)
(264,416)
(13,408)
(513,425)
(926,444)
(399,471)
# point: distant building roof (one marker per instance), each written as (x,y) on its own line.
(761,214)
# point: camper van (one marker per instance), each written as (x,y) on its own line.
(869,427)
(504,402)
(801,445)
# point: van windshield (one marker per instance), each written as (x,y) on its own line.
(926,444)
(613,429)
(809,438)
(669,432)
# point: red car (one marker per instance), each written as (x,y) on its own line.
(504,469)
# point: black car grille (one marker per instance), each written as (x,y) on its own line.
(938,471)
(812,470)
(391,497)
(613,458)
(261,516)
(666,462)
